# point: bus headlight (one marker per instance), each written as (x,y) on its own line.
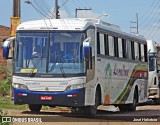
(19,86)
(75,86)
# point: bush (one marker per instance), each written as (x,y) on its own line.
(4,87)
(6,73)
(6,82)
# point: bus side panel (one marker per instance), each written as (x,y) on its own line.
(119,79)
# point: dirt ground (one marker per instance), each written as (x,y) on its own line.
(152,110)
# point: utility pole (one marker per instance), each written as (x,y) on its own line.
(80,9)
(57,9)
(16,8)
(137,24)
(134,27)
(15,21)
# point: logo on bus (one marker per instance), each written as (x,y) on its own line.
(120,71)
(117,71)
(32,83)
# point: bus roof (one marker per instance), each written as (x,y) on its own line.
(77,24)
(64,24)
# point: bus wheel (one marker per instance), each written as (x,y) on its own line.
(78,110)
(123,107)
(35,108)
(132,107)
(92,110)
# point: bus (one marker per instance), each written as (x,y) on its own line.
(154,68)
(79,63)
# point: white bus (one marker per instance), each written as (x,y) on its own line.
(153,81)
(79,63)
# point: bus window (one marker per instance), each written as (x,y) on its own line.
(124,48)
(133,50)
(120,47)
(111,45)
(142,53)
(145,53)
(139,51)
(152,64)
(102,51)
(136,49)
(106,44)
(116,46)
(129,55)
(98,43)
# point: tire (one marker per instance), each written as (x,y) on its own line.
(78,110)
(35,108)
(92,110)
(132,107)
(123,108)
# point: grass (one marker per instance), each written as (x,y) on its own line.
(4,87)
(6,103)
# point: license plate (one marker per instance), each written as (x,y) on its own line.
(46,98)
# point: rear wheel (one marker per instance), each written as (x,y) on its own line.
(123,107)
(132,107)
(35,108)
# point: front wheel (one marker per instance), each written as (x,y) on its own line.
(92,110)
(35,108)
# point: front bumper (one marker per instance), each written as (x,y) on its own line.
(71,98)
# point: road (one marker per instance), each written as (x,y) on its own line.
(109,115)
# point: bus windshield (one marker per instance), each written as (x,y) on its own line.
(54,52)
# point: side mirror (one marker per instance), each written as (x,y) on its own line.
(87,53)
(7,53)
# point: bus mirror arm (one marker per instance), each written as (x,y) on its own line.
(87,53)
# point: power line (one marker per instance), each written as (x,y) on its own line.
(28,2)
(147,19)
(66,9)
(39,12)
(156,32)
(63,4)
(41,9)
(152,17)
(152,21)
(147,10)
(47,7)
(152,32)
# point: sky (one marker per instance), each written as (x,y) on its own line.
(120,12)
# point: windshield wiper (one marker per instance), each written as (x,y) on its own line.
(32,70)
(62,70)
(53,66)
(60,63)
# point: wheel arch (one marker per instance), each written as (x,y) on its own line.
(99,89)
(136,90)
